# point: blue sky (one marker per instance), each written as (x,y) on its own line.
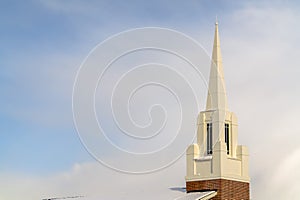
(43,44)
(38,37)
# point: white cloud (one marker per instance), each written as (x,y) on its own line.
(94,181)
(262,77)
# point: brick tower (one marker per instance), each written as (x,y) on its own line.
(216,162)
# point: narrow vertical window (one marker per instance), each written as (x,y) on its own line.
(209,138)
(227,139)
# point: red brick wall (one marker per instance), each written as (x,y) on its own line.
(227,189)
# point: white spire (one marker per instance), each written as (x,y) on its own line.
(216,98)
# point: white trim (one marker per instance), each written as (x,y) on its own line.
(192,179)
(209,196)
(201,195)
(204,158)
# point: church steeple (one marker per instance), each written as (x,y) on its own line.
(216,162)
(216,97)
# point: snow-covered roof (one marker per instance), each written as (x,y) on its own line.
(198,196)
